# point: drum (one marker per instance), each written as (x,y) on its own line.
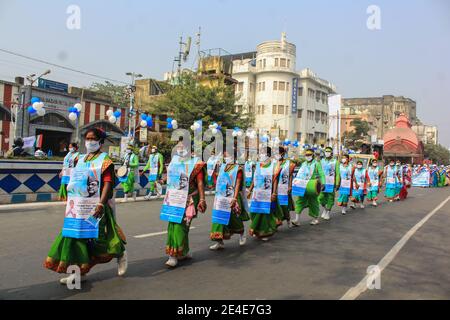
(313,187)
(122,172)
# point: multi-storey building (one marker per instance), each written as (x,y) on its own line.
(428,134)
(380,112)
(285,102)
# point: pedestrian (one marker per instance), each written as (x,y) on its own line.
(130,163)
(185,196)
(330,167)
(374,182)
(212,166)
(230,209)
(155,166)
(399,179)
(359,185)
(390,176)
(284,173)
(406,181)
(306,187)
(81,243)
(70,161)
(345,183)
(263,193)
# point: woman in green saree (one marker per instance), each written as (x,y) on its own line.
(264,225)
(239,214)
(110,244)
(177,245)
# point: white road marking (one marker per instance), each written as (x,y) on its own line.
(361,287)
(154,234)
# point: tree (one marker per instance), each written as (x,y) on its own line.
(116,92)
(437,153)
(361,129)
(190,101)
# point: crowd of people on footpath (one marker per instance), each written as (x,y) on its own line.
(263,191)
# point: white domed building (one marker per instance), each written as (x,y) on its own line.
(289,103)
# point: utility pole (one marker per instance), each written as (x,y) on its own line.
(26,98)
(132,115)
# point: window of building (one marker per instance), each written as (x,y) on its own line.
(252,85)
(274,109)
(289,63)
(300,91)
(299,136)
(263,86)
(281,86)
(276,62)
(317,116)
(287,110)
(280,109)
(251,109)
(263,109)
(264,63)
(239,108)
(275,85)
(240,87)
(287,86)
(283,62)
(299,113)
(318,94)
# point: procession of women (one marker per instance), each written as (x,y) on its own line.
(252,198)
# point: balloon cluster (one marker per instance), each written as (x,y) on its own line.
(146,121)
(197,125)
(287,142)
(251,134)
(74,112)
(215,128)
(237,132)
(172,123)
(114,116)
(37,107)
(296,144)
(265,138)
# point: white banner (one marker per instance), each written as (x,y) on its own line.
(29,142)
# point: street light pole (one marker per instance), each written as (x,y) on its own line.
(26,96)
(132,116)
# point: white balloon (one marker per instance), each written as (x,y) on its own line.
(197,126)
(214,131)
(174,122)
(215,125)
(41,112)
(234,134)
(73,116)
(112,119)
(109,113)
(143,123)
(79,106)
(239,133)
(175,126)
(38,106)
(192,127)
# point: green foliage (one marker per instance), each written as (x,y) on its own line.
(116,92)
(189,101)
(437,153)
(361,129)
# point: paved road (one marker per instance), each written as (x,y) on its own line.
(321,262)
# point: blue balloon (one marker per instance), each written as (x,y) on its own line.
(149,122)
(219,128)
(35,99)
(31,110)
(143,116)
(169,126)
(117,114)
(169,120)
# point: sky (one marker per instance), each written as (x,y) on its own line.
(408,56)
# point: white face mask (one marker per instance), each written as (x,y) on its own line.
(228,160)
(263,157)
(344,161)
(92,146)
(72,150)
(278,157)
(153,150)
(359,166)
(309,158)
(328,154)
(375,165)
(182,153)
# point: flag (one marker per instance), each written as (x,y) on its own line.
(39,139)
